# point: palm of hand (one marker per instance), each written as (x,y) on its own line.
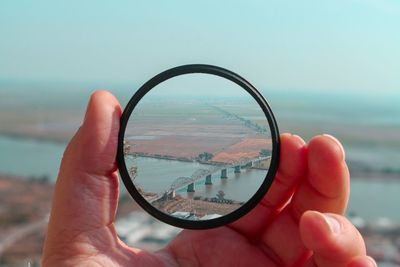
(278,232)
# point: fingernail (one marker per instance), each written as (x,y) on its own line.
(373,263)
(298,137)
(338,143)
(333,223)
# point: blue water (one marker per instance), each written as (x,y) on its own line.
(349,110)
(373,199)
(157,175)
(30,158)
(27,157)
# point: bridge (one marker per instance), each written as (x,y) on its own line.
(247,123)
(189,182)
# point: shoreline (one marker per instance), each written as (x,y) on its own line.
(354,175)
(171,158)
(42,179)
(38,138)
(357,170)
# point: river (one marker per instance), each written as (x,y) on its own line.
(370,199)
(157,175)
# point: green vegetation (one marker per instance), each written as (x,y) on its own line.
(265,153)
(133,172)
(127,148)
(205,156)
(221,195)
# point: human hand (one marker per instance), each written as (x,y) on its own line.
(298,223)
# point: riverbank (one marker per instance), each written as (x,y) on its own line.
(45,138)
(198,207)
(374,175)
(25,205)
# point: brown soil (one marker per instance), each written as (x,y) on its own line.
(225,149)
(248,148)
(188,147)
(23,203)
(26,202)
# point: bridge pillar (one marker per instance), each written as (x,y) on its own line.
(223,174)
(190,188)
(237,169)
(248,165)
(208,180)
(171,194)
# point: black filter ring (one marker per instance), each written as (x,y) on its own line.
(246,207)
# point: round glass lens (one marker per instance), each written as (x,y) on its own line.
(197,147)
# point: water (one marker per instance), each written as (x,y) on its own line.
(27,157)
(157,175)
(30,158)
(372,122)
(239,187)
(373,199)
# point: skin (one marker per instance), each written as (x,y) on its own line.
(298,223)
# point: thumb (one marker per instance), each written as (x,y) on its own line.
(86,192)
(334,240)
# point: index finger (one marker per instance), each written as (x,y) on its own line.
(292,168)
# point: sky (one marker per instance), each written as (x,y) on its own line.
(311,44)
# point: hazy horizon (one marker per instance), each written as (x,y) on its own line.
(320,46)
